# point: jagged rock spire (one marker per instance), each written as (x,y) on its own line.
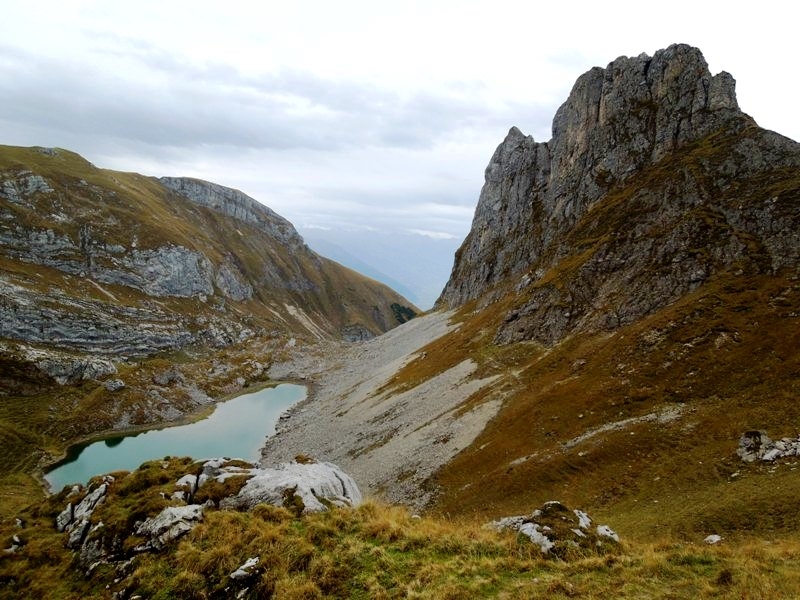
(615,121)
(653,181)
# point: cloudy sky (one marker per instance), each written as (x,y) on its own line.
(348,115)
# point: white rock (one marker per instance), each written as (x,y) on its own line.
(85,507)
(606,531)
(713,539)
(584,520)
(578,532)
(771,455)
(531,530)
(189,481)
(170,523)
(64,518)
(312,482)
(246,570)
(78,531)
(508,523)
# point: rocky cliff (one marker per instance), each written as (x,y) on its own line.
(115,263)
(653,182)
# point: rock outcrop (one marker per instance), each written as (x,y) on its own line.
(756,445)
(309,487)
(235,204)
(557,530)
(651,184)
(218,483)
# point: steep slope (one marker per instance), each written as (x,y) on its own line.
(636,280)
(630,291)
(155,258)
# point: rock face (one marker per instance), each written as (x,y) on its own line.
(237,205)
(650,161)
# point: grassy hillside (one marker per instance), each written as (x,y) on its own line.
(128,210)
(373,551)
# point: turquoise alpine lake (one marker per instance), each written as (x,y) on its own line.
(236,429)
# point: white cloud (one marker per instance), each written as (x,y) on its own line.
(434,235)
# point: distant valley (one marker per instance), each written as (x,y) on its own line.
(414,265)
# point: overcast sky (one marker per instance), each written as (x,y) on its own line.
(347,114)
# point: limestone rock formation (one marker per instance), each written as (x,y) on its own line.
(168,525)
(308,487)
(216,483)
(237,205)
(557,530)
(651,184)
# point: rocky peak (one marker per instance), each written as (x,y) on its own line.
(615,121)
(664,142)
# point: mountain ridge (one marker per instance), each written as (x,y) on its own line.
(172,250)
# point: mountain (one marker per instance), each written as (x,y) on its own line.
(653,183)
(115,262)
(620,333)
(634,282)
(624,309)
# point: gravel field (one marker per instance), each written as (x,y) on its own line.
(390,443)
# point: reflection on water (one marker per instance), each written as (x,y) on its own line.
(236,428)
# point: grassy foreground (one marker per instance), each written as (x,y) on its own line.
(374,551)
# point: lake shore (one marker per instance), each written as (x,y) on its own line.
(187,419)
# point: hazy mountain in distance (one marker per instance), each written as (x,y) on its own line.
(339,254)
(416,266)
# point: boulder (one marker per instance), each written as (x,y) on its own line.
(114,385)
(756,445)
(169,524)
(309,487)
(753,445)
